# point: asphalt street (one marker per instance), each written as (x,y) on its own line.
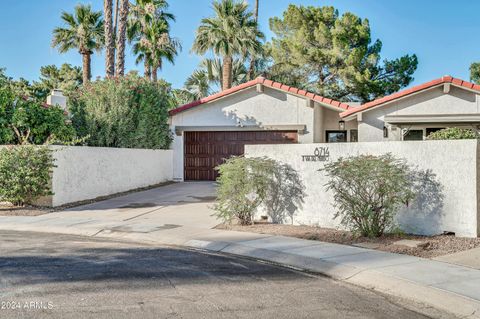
(60,276)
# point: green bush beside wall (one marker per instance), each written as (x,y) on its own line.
(453,133)
(25,173)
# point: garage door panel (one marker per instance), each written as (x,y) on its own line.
(206,150)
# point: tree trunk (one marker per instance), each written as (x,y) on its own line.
(109,40)
(86,57)
(251,70)
(147,73)
(227,73)
(121,38)
(155,74)
(115,17)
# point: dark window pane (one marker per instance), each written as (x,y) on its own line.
(431,130)
(414,135)
(353,135)
(336,136)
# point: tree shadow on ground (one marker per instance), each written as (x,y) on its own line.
(133,267)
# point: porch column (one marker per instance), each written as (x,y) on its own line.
(318,127)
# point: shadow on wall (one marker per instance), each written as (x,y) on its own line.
(286,195)
(244,120)
(424,215)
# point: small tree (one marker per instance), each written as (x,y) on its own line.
(453,133)
(368,191)
(245,184)
(242,188)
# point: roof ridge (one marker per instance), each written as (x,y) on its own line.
(266,82)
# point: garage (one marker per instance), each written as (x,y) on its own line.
(206,150)
(207,131)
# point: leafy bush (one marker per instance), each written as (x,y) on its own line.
(126,112)
(453,133)
(369,190)
(24,121)
(24,173)
(246,183)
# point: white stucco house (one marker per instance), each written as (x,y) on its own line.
(266,112)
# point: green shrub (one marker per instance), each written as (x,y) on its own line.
(369,190)
(453,133)
(24,121)
(126,112)
(25,173)
(246,183)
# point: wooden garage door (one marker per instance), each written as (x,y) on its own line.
(205,150)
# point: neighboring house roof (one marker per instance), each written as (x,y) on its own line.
(415,89)
(267,83)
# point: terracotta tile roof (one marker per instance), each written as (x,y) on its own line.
(267,83)
(415,89)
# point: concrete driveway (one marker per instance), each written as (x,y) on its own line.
(184,204)
(174,208)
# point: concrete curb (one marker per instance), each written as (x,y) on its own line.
(455,304)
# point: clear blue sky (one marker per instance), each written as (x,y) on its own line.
(443,33)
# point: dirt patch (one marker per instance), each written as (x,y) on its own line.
(431,246)
(6,210)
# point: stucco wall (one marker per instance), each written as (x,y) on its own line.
(434,101)
(453,162)
(250,108)
(88,172)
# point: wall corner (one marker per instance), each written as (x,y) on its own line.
(477,182)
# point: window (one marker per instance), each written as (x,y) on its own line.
(431,130)
(353,135)
(336,136)
(413,135)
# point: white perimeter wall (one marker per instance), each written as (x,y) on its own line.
(454,163)
(88,172)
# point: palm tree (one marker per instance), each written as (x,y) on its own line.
(84,32)
(198,85)
(142,14)
(207,77)
(156,45)
(251,70)
(231,32)
(109,39)
(121,38)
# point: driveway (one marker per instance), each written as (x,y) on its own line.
(185,204)
(64,276)
(163,212)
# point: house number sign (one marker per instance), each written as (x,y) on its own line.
(321,154)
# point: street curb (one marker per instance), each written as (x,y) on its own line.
(452,303)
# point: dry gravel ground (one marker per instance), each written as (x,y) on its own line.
(7,210)
(434,246)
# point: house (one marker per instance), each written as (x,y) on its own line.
(257,112)
(266,112)
(415,113)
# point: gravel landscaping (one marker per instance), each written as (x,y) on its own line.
(428,247)
(7,210)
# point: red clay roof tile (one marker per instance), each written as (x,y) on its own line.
(418,88)
(268,83)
